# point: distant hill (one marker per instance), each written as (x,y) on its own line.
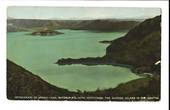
(14,25)
(109,25)
(101,25)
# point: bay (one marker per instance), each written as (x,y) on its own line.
(38,55)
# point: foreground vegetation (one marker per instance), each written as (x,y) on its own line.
(23,85)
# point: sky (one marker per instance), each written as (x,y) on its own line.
(71,13)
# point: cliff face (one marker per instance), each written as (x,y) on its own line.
(140,47)
(21,82)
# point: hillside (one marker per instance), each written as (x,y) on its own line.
(140,47)
(21,82)
(148,87)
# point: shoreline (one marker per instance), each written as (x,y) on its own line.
(92,61)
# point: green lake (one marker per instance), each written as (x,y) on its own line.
(38,55)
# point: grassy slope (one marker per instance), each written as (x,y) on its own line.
(143,87)
(140,47)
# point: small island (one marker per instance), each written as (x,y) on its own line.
(46,32)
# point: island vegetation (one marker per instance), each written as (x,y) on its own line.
(46,32)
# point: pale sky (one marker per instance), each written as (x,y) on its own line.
(33,12)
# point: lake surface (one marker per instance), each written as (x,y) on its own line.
(38,55)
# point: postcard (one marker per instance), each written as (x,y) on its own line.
(83,53)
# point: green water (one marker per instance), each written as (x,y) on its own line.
(38,55)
